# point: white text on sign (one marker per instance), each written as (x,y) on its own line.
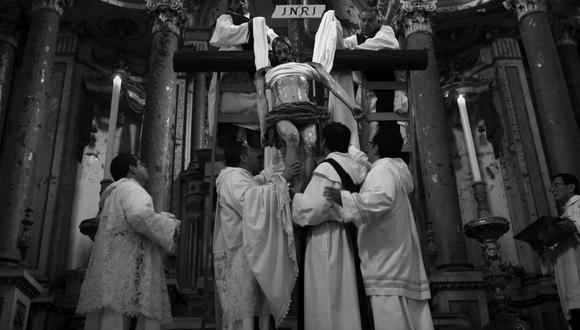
(298,11)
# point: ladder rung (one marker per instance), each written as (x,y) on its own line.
(384,85)
(251,118)
(386,116)
(237,87)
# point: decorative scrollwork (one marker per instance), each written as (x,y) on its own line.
(57,5)
(415,15)
(169,14)
(413,5)
(524,7)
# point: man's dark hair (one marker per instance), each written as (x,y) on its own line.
(281,40)
(389,143)
(233,153)
(336,137)
(120,165)
(569,179)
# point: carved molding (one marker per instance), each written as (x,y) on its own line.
(56,5)
(415,15)
(524,7)
(170,15)
(390,12)
(565,30)
(22,280)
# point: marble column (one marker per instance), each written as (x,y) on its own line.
(25,120)
(9,20)
(565,33)
(157,142)
(555,112)
(199,110)
(434,139)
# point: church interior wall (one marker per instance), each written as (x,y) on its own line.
(66,190)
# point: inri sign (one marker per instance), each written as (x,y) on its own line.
(298,11)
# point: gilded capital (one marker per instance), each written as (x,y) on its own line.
(524,7)
(56,5)
(415,15)
(170,15)
(390,13)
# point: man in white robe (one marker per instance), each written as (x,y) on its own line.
(125,282)
(375,36)
(565,256)
(253,245)
(233,31)
(330,288)
(388,244)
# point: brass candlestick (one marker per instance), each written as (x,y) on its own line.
(487,229)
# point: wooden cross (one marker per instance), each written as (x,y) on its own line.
(344,60)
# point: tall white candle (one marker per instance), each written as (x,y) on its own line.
(112,124)
(468,139)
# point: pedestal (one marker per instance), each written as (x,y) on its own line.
(459,297)
(17,288)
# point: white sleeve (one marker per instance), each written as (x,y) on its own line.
(160,228)
(385,38)
(350,42)
(377,199)
(226,33)
(311,208)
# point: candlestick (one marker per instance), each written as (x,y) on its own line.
(468,138)
(112,124)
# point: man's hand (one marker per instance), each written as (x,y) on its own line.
(291,171)
(358,113)
(538,247)
(263,140)
(565,225)
(333,195)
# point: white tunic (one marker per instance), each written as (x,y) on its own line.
(330,291)
(388,243)
(567,264)
(253,245)
(125,272)
(389,249)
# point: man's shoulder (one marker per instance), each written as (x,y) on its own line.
(234,176)
(129,185)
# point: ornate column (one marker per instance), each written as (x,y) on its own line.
(560,132)
(157,142)
(565,31)
(9,19)
(26,119)
(434,139)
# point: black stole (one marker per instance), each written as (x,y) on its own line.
(366,314)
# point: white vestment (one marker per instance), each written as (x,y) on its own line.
(125,271)
(567,263)
(330,290)
(388,243)
(253,245)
